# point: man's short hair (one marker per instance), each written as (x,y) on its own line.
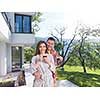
(51,38)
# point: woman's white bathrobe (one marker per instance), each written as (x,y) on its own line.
(46,71)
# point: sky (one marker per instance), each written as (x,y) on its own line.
(77,11)
(51,20)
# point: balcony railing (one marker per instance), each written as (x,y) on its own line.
(7,20)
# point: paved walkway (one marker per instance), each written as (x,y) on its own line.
(60,83)
(65,83)
(29,79)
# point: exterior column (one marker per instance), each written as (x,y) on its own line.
(9,58)
(22,55)
(3,59)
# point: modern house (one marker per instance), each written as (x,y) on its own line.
(15,34)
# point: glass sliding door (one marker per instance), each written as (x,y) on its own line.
(16,58)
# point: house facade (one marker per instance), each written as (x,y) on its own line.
(15,34)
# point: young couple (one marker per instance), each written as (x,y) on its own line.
(44,64)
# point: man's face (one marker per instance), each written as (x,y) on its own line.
(50,44)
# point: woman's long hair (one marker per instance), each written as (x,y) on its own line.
(37,52)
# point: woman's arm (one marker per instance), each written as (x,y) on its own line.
(52,67)
(50,61)
(34,68)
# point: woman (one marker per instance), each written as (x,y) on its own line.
(42,66)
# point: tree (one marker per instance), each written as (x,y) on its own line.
(67,48)
(64,47)
(36,19)
(84,33)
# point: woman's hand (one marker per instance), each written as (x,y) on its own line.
(37,64)
(37,74)
(47,60)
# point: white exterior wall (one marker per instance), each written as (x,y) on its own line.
(3,59)
(4,30)
(22,55)
(25,13)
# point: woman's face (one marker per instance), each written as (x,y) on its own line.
(42,48)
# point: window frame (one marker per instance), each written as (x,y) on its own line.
(22,15)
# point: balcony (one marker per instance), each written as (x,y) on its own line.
(22,39)
(22,34)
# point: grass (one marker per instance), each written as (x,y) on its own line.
(76,75)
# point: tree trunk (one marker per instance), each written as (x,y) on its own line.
(83,65)
(84,69)
(64,62)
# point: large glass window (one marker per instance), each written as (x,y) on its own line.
(26,24)
(22,23)
(18,25)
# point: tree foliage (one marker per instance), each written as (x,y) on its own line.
(91,54)
(36,19)
(28,53)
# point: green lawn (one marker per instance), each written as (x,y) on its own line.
(75,74)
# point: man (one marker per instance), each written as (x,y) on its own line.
(57,59)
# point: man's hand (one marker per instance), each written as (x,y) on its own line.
(59,60)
